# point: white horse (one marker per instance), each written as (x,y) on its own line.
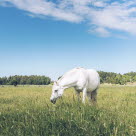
(83,80)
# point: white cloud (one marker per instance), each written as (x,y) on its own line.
(105,15)
(100,31)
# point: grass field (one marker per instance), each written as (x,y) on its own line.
(27,111)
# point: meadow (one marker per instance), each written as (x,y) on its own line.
(27,111)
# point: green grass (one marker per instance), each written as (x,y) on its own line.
(27,111)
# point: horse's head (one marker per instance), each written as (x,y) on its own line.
(57,92)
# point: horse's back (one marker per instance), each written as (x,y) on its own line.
(81,77)
(87,77)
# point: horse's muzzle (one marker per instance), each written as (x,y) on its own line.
(53,101)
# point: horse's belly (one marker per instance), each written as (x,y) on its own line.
(91,87)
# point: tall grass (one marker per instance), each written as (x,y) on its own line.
(27,111)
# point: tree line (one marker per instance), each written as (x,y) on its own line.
(25,80)
(114,78)
(105,77)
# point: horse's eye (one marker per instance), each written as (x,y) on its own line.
(56,91)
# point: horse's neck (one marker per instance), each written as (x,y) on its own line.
(67,82)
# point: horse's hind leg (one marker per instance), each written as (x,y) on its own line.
(89,97)
(94,96)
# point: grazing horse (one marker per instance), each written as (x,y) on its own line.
(83,80)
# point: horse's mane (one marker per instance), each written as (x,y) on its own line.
(68,72)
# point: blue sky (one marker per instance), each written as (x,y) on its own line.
(50,44)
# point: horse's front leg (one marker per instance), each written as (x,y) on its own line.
(84,95)
(78,95)
(94,96)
